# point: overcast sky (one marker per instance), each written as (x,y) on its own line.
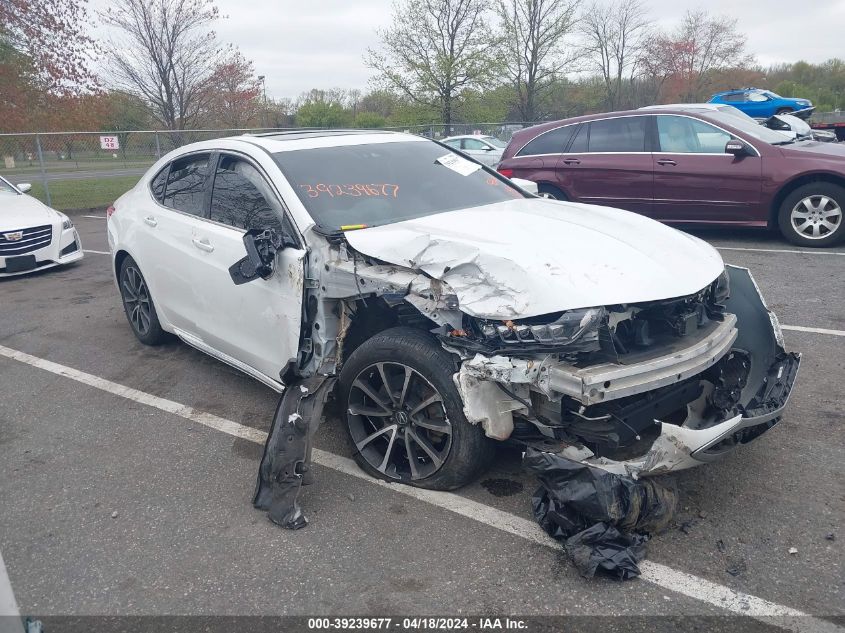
(306,44)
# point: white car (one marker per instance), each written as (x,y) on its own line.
(32,235)
(446,308)
(484,149)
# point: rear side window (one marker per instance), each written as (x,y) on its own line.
(157,185)
(579,143)
(734,98)
(185,189)
(552,142)
(625,134)
(242,198)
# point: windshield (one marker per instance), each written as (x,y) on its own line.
(772,95)
(382,183)
(5,187)
(750,127)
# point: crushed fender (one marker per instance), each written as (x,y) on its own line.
(287,452)
(602,518)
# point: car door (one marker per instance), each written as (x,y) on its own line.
(695,180)
(167,228)
(256,323)
(480,151)
(758,105)
(609,163)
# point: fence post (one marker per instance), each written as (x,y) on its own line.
(158,146)
(43,172)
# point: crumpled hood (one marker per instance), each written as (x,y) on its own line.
(22,211)
(530,257)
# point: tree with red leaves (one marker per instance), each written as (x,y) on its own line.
(234,89)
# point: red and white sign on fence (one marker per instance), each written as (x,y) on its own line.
(109,142)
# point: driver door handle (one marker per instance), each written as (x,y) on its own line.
(666,161)
(571,161)
(203,245)
(151,220)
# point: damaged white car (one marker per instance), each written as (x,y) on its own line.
(446,308)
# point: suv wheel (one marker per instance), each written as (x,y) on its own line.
(404,415)
(550,191)
(812,215)
(138,304)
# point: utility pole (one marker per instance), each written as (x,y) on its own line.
(262,78)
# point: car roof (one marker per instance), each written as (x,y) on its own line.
(687,106)
(291,140)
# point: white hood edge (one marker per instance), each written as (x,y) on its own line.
(22,211)
(530,257)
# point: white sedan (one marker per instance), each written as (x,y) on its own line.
(32,235)
(445,307)
(484,149)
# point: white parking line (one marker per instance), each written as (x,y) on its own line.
(812,330)
(9,614)
(779,250)
(661,575)
(96,217)
(96,252)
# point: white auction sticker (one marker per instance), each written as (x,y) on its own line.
(458,164)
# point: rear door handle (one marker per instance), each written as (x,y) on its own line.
(571,161)
(666,161)
(151,220)
(203,245)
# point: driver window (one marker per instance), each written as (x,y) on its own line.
(473,143)
(242,198)
(682,135)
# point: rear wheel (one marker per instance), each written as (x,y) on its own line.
(812,215)
(138,305)
(545,190)
(404,415)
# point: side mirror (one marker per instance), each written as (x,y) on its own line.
(737,148)
(487,148)
(260,261)
(24,187)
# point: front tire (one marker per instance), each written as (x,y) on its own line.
(138,304)
(784,111)
(404,415)
(812,215)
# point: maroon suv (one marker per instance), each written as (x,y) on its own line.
(688,168)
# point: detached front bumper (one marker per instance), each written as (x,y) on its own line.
(749,327)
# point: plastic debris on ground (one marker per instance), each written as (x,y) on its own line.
(603,519)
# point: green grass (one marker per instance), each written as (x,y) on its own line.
(84,193)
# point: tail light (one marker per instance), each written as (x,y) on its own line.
(110,211)
(507,173)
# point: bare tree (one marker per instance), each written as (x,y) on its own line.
(703,45)
(167,54)
(615,34)
(434,50)
(534,33)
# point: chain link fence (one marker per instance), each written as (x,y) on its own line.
(89,170)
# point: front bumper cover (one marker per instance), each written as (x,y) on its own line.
(749,326)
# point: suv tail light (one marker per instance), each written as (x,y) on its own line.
(110,211)
(507,173)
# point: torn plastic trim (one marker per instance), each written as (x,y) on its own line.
(287,453)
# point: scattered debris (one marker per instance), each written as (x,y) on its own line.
(602,518)
(114,514)
(720,545)
(702,515)
(793,550)
(736,567)
(831,536)
(351,496)
(686,526)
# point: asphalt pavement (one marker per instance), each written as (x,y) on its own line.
(115,506)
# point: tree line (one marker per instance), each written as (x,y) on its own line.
(438,61)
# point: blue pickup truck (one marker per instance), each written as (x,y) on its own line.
(761,104)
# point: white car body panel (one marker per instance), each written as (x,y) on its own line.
(19,212)
(530,257)
(491,156)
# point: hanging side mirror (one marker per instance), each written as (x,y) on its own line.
(261,247)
